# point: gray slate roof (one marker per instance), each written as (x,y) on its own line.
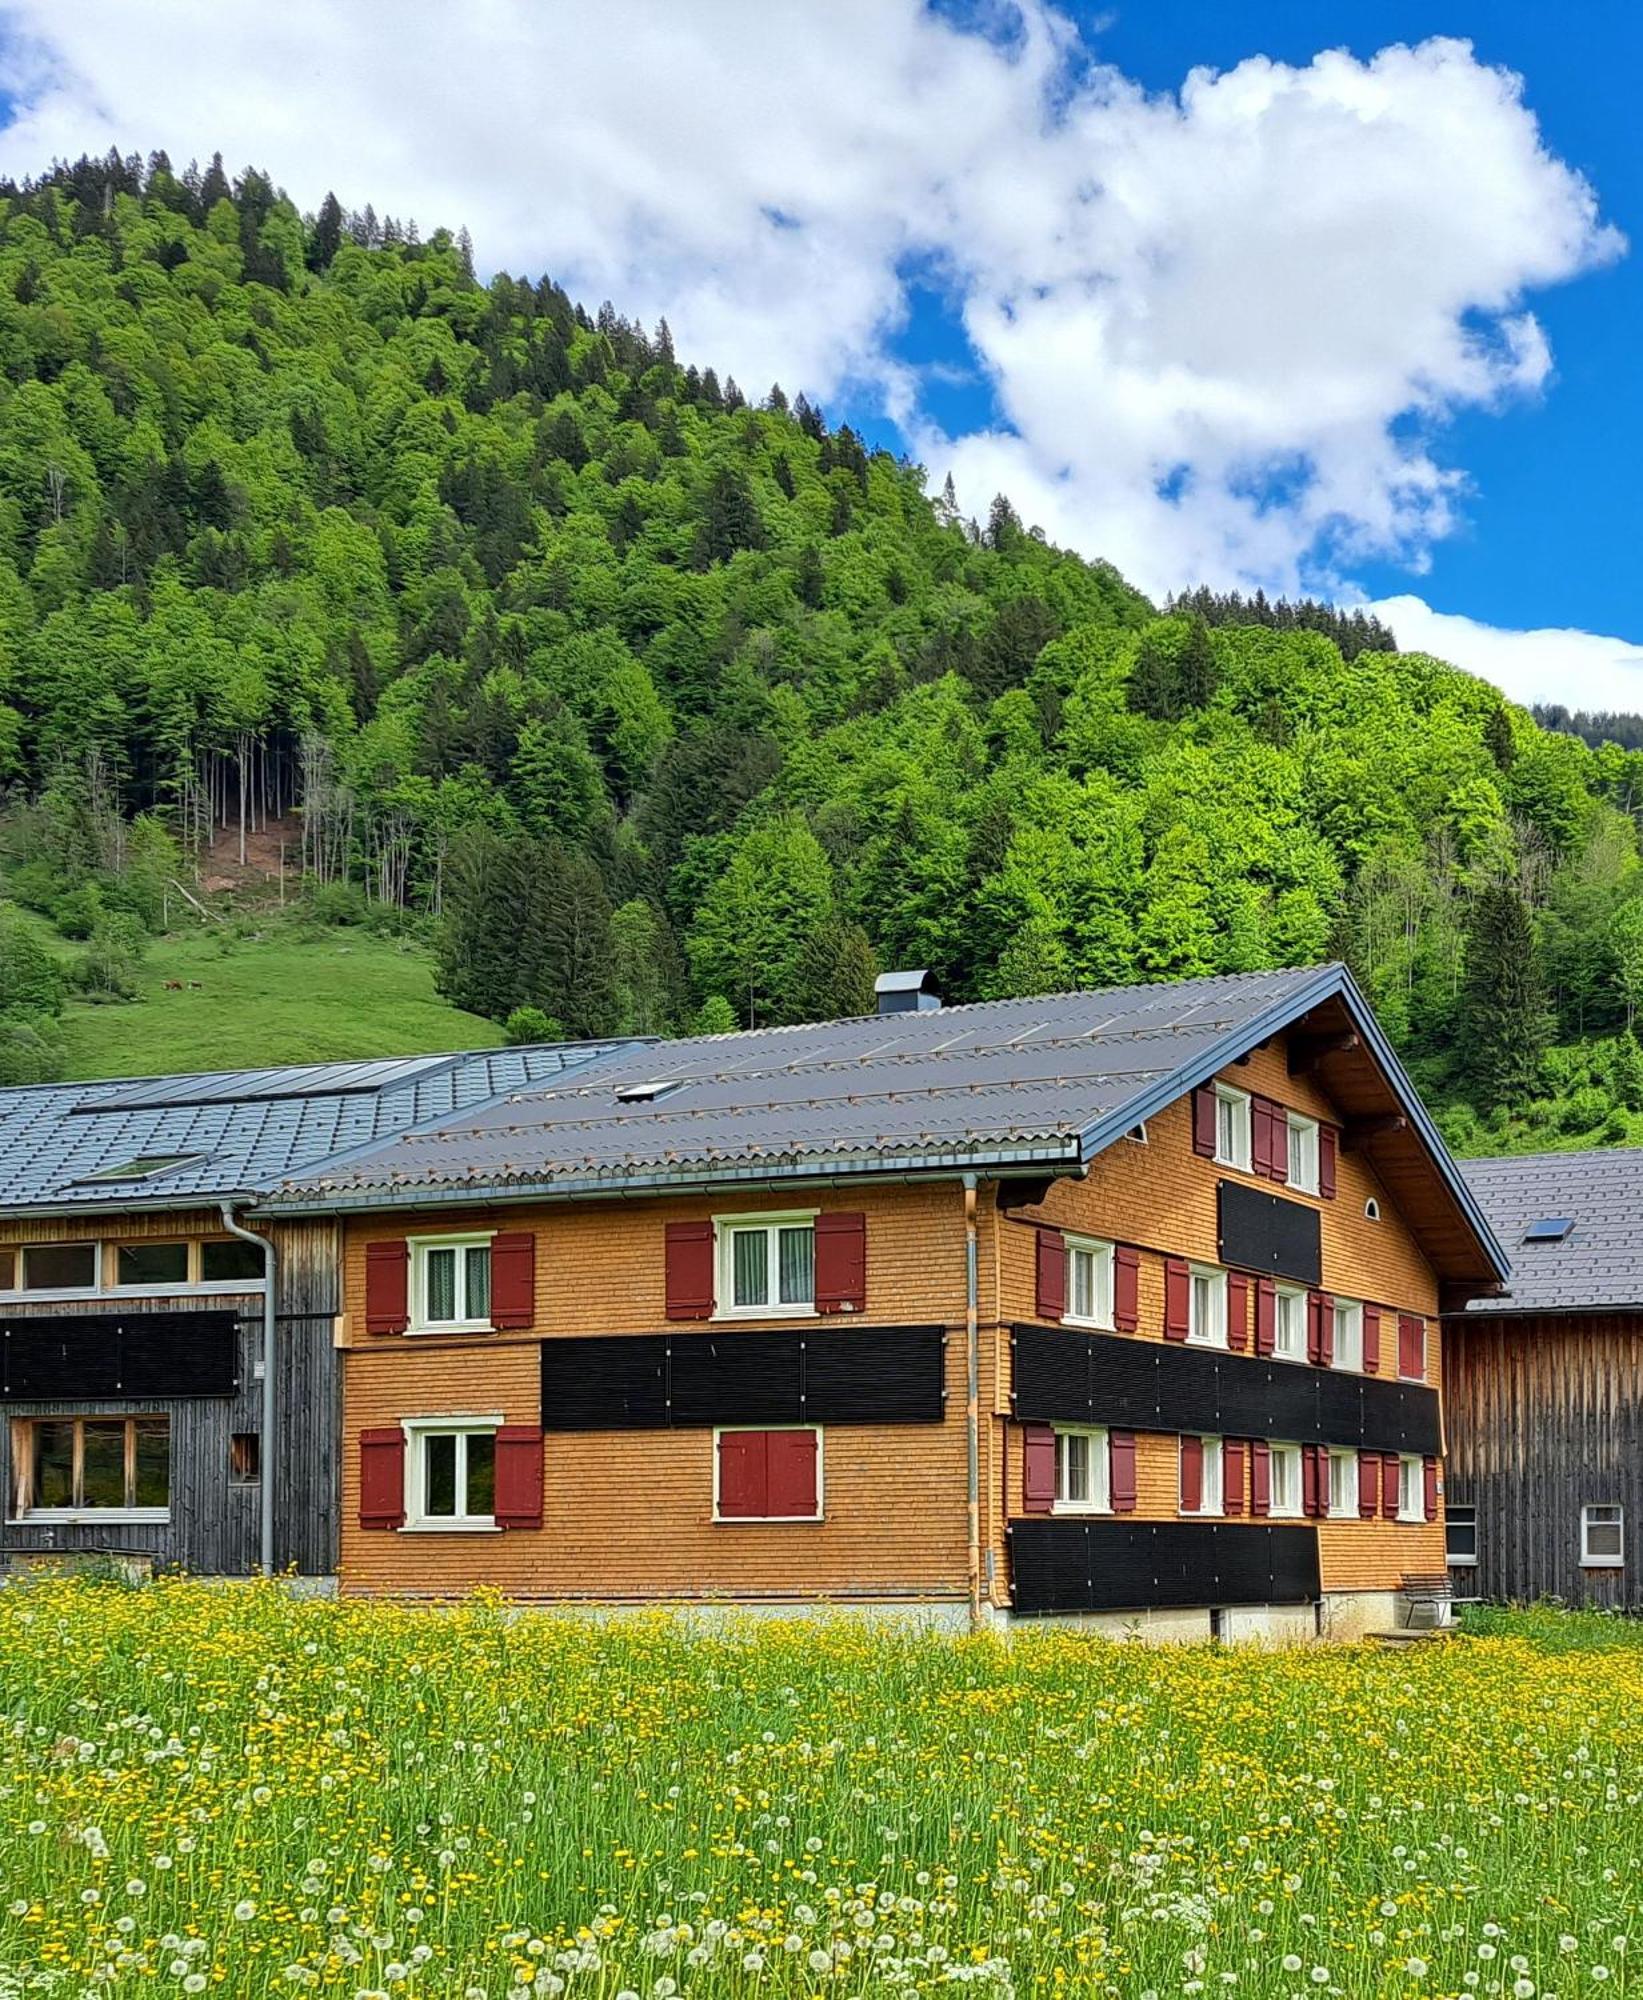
(238,1131)
(1000,1085)
(1599,1264)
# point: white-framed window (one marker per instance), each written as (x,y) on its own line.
(1207,1305)
(767,1265)
(1303,1153)
(1233,1143)
(1089,1281)
(1343,1485)
(1289,1323)
(1284,1499)
(1460,1537)
(450,1472)
(768,1474)
(1209,1487)
(451,1283)
(1603,1536)
(1348,1349)
(1411,1489)
(92,1469)
(1081,1471)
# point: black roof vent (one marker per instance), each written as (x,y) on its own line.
(906,993)
(1549,1229)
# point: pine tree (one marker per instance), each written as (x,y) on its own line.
(571,972)
(730,519)
(1197,673)
(1497,738)
(1503,1024)
(834,972)
(325,239)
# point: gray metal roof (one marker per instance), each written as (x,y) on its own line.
(1006,1084)
(1598,1265)
(161,1141)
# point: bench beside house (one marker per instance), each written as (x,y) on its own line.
(132,1317)
(1545,1387)
(1120,1306)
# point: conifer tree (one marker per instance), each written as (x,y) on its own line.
(1503,1022)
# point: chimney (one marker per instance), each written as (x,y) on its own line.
(906,993)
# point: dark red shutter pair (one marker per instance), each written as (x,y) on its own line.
(840,1266)
(1314,1480)
(1269,1139)
(1411,1347)
(518,1501)
(1320,1328)
(767,1475)
(513,1283)
(1038,1470)
(1369,1484)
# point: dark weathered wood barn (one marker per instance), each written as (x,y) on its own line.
(1543,1387)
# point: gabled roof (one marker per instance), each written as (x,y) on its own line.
(1597,1265)
(1007,1086)
(164,1141)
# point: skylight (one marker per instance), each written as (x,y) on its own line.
(146,1166)
(1549,1229)
(647,1093)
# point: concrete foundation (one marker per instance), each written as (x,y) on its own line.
(1354,1614)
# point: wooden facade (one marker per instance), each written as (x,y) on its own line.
(210,1522)
(1545,1414)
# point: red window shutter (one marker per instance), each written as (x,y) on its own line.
(1314,1492)
(1052,1274)
(1260,1477)
(1430,1488)
(387,1287)
(743,1480)
(1121,1471)
(1411,1347)
(1177,1297)
(1371,1340)
(518,1501)
(1203,1121)
(1260,1117)
(382,1478)
(1314,1321)
(1038,1469)
(1326,1328)
(790,1459)
(1192,1474)
(689,1270)
(1232,1475)
(1126,1288)
(1280,1143)
(513,1281)
(1237,1311)
(1369,1483)
(841,1263)
(1327,1139)
(1266,1316)
(1389,1486)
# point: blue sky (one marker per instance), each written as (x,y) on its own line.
(1356,323)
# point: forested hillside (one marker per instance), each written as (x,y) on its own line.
(660,706)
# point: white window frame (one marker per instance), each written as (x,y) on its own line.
(1587,1559)
(417,1431)
(20,1514)
(1291,1510)
(1100,1467)
(419,1247)
(1242,1156)
(1460,1515)
(1212,1501)
(1348,1460)
(1103,1265)
(757,1520)
(1216,1334)
(725,1230)
(1352,1311)
(105,1255)
(1294,1296)
(1303,1151)
(1411,1488)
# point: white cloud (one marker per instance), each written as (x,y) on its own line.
(1222,327)
(1577,669)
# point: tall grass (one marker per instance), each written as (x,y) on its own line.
(232,1791)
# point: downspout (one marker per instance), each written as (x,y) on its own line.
(269,1399)
(972,1405)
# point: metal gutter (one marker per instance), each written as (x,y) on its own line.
(270,1397)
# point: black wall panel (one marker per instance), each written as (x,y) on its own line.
(1078,1565)
(1062,1376)
(1264,1232)
(90,1357)
(820,1375)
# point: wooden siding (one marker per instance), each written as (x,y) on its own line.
(214,1525)
(1545,1417)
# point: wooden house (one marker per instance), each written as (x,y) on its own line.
(1545,1387)
(1121,1306)
(137,1306)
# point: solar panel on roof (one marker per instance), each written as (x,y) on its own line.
(1549,1229)
(172,1093)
